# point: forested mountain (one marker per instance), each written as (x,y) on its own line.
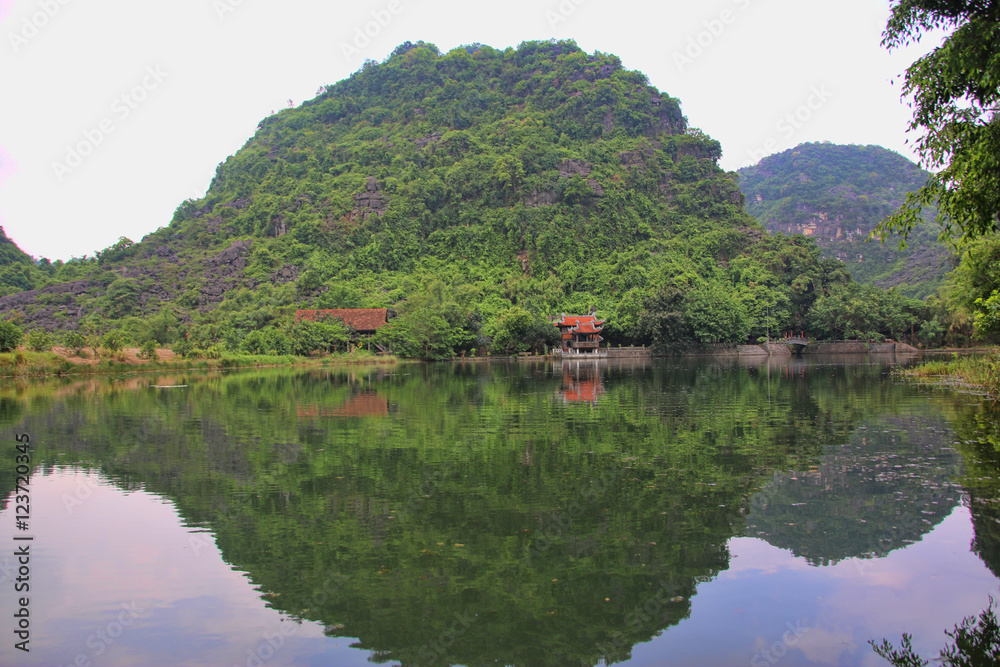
(836,195)
(473,193)
(15,266)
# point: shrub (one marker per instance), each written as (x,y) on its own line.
(10,336)
(148,350)
(183,348)
(75,340)
(307,337)
(39,340)
(267,341)
(113,341)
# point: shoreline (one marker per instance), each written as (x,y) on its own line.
(980,370)
(60,362)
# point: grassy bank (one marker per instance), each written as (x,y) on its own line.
(25,363)
(970,371)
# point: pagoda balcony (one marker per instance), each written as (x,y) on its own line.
(584,344)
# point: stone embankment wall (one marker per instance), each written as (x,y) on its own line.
(773,349)
(777,349)
(620,352)
(858,347)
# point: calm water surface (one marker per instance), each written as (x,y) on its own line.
(649,513)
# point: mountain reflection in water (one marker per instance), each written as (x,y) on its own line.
(483,513)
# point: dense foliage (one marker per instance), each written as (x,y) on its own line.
(475,194)
(10,336)
(955,91)
(838,195)
(16,267)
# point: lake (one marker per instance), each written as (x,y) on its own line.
(647,512)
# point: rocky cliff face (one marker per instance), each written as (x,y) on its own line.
(837,195)
(838,232)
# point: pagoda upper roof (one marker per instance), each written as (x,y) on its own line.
(577,320)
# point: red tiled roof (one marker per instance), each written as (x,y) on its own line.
(585,328)
(576,320)
(362,319)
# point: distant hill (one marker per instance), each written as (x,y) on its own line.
(837,195)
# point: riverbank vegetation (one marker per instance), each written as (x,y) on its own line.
(981,371)
(23,362)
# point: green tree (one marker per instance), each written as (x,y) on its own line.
(148,350)
(425,337)
(508,174)
(664,322)
(858,311)
(163,326)
(123,297)
(931,333)
(956,98)
(113,341)
(39,340)
(116,252)
(716,315)
(75,341)
(974,287)
(10,336)
(327,336)
(517,330)
(267,341)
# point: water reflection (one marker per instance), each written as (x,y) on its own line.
(475,513)
(118,580)
(890,484)
(581,381)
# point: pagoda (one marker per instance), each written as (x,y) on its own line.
(580,333)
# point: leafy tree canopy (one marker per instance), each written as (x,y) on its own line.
(956,99)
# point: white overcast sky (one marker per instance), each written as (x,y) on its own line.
(157,94)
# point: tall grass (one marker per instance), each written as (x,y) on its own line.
(23,362)
(979,371)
